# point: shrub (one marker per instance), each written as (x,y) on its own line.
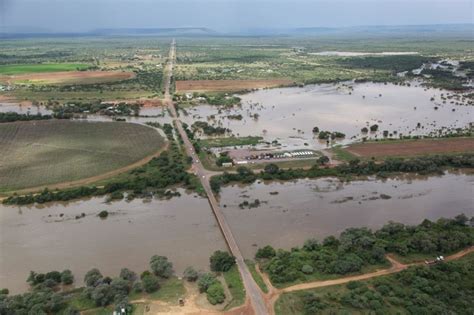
(67,277)
(205,281)
(307,269)
(93,277)
(103,214)
(221,261)
(215,293)
(161,266)
(150,283)
(265,252)
(190,274)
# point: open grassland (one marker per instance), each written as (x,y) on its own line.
(227,85)
(69,77)
(16,69)
(412,147)
(299,59)
(50,152)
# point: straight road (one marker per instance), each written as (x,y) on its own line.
(252,290)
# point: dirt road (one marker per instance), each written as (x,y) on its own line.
(274,293)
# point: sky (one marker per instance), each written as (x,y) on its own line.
(226,15)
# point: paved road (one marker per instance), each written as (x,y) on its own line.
(252,290)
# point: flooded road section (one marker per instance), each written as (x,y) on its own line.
(291,212)
(289,114)
(52,238)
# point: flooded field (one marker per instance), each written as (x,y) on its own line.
(291,212)
(23,109)
(157,114)
(51,238)
(289,114)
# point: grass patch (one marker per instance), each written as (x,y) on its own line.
(236,287)
(342,154)
(81,303)
(230,141)
(256,276)
(38,68)
(170,291)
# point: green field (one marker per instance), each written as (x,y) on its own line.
(38,68)
(51,152)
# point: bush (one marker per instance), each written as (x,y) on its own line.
(215,293)
(205,281)
(265,252)
(67,277)
(161,266)
(128,275)
(190,274)
(150,283)
(93,277)
(307,269)
(221,261)
(103,214)
(137,287)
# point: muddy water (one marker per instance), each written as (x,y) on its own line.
(23,109)
(183,229)
(318,208)
(289,114)
(147,114)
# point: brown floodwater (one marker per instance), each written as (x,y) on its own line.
(317,208)
(40,239)
(289,114)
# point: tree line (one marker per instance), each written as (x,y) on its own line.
(357,248)
(420,165)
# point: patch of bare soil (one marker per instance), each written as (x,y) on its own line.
(413,147)
(228,85)
(70,77)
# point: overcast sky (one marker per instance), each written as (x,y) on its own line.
(227,15)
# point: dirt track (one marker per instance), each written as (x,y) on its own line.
(274,293)
(69,77)
(227,85)
(413,147)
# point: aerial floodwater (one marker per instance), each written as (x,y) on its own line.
(57,237)
(292,212)
(289,115)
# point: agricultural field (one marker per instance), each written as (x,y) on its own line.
(51,152)
(71,77)
(304,60)
(16,69)
(227,85)
(412,147)
(42,70)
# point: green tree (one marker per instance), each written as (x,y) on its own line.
(93,277)
(215,293)
(265,252)
(161,266)
(205,281)
(127,274)
(190,274)
(150,283)
(67,277)
(221,261)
